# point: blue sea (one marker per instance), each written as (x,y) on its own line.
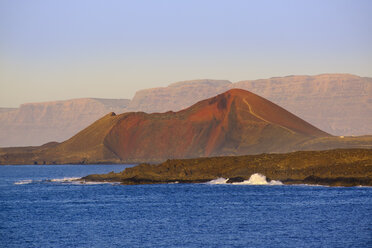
(40,206)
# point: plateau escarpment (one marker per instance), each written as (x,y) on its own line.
(39,123)
(176,96)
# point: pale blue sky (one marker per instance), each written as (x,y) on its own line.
(54,50)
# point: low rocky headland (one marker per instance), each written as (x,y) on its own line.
(340,167)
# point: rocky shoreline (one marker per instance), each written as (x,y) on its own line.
(340,167)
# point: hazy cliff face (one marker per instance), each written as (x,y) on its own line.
(176,96)
(4,110)
(340,104)
(38,123)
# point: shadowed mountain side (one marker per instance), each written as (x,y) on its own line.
(333,167)
(233,123)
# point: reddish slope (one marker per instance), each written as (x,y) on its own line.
(235,122)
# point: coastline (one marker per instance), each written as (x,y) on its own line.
(330,182)
(340,167)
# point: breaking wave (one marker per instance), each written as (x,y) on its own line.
(220,180)
(255,179)
(65,180)
(259,179)
(23,182)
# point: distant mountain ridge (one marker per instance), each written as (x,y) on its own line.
(39,123)
(340,104)
(176,96)
(3,110)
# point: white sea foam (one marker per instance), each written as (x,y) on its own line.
(220,180)
(76,180)
(93,183)
(65,179)
(259,179)
(23,182)
(255,179)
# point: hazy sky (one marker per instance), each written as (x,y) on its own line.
(54,50)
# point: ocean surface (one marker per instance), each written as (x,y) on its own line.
(40,206)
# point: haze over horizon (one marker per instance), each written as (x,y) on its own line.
(56,50)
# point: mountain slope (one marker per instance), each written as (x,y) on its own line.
(233,123)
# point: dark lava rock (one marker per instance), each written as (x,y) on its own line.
(236,180)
